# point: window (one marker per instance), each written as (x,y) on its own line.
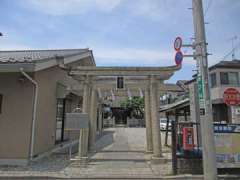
(60,120)
(213,79)
(230,78)
(224,77)
(1,99)
(233,78)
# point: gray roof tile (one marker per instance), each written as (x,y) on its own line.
(29,56)
(235,64)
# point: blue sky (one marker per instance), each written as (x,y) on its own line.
(120,32)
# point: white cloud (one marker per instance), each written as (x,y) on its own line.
(69,7)
(152,9)
(13,46)
(159,10)
(133,56)
(107,5)
(131,53)
(8,43)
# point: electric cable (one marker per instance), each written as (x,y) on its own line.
(208,7)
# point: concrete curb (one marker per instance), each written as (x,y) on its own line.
(178,177)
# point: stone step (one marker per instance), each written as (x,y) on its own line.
(79,162)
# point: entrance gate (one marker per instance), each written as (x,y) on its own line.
(94,80)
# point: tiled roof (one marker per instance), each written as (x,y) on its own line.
(173,87)
(182,84)
(227,64)
(28,56)
(234,64)
(169,107)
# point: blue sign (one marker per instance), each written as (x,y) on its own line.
(226,128)
(178,58)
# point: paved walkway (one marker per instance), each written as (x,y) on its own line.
(119,153)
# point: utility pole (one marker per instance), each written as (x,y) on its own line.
(206,119)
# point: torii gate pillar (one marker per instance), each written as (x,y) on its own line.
(149,141)
(157,146)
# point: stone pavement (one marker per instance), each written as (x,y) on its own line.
(119,152)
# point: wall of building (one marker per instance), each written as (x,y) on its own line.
(16,116)
(17,112)
(217,97)
(46,108)
(217,93)
(218,90)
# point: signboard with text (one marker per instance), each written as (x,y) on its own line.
(227,145)
(201,94)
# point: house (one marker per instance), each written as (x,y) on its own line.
(174,91)
(222,75)
(34,97)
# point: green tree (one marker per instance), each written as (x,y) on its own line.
(135,105)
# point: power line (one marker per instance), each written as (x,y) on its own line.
(208,7)
(232,51)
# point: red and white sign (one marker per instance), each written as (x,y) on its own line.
(231,96)
(178,43)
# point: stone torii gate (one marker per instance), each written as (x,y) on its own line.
(151,82)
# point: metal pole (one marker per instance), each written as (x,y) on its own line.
(166,133)
(206,119)
(174,143)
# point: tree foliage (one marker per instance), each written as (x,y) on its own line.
(136,105)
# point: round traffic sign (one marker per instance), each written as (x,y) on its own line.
(178,43)
(231,96)
(178,58)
